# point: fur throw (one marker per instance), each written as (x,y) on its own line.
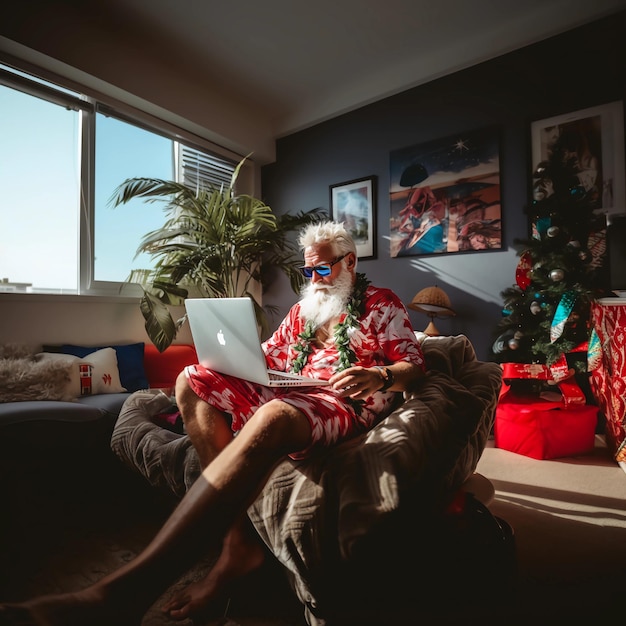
(26,376)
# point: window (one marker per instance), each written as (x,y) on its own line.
(62,155)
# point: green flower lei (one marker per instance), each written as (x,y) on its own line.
(355,309)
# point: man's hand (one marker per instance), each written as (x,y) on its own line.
(360,382)
(357,382)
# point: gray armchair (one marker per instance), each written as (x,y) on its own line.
(343,522)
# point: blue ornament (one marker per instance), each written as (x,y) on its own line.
(577,192)
(542,225)
(563,311)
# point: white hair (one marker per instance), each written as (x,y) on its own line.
(333,233)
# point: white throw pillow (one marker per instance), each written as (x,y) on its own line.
(105,376)
(79,370)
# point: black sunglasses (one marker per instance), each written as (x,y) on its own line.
(324,269)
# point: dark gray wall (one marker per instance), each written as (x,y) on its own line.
(579,69)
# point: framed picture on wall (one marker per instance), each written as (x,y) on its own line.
(445,195)
(354,204)
(594,137)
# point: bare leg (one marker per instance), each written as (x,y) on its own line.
(199,523)
(241,551)
(207,427)
(241,554)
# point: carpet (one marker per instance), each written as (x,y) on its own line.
(569,519)
(568,516)
(54,541)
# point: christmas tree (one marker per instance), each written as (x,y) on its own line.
(546,314)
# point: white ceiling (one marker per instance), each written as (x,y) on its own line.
(242,73)
(303,62)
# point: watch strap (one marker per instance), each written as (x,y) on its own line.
(387,376)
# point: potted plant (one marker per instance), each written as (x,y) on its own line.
(214,243)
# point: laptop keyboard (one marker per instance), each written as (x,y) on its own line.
(287,379)
(281,376)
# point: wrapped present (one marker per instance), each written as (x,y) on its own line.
(547,426)
(608,371)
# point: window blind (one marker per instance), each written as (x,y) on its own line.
(198,169)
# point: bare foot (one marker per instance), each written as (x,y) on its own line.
(71,609)
(238,557)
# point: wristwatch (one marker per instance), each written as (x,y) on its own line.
(386,375)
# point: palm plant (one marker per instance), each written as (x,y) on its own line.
(214,242)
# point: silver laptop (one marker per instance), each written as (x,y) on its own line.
(225,335)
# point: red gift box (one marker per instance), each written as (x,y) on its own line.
(544,429)
(608,372)
(540,428)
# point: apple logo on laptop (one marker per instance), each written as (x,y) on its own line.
(220,338)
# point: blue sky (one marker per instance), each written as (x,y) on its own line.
(124,151)
(39,175)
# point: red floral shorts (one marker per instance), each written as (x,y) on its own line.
(331,418)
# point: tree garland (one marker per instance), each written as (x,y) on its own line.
(355,309)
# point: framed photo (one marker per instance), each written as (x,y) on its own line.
(354,204)
(596,136)
(445,195)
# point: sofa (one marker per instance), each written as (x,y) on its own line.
(382,528)
(44,402)
(55,454)
(47,420)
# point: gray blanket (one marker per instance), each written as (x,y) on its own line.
(314,514)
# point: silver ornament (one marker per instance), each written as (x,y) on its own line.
(553,231)
(557,275)
(498,346)
(535,308)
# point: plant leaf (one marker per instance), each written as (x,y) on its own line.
(159,323)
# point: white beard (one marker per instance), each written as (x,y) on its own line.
(321,303)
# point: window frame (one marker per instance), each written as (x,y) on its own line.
(88,102)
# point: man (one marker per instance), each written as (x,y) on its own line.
(341,320)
